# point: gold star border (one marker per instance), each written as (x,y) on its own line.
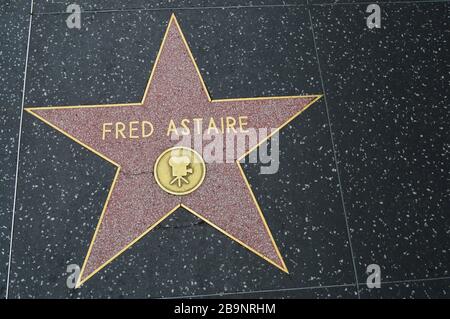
(141,103)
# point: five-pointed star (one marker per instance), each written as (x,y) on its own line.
(135,203)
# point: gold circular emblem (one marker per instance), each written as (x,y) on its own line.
(179,170)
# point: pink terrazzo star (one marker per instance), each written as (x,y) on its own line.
(136,203)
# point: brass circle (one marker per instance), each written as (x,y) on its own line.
(179,170)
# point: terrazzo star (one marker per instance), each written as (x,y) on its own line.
(153,178)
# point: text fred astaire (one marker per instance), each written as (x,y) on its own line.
(144,129)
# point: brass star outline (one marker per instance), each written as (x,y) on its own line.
(174,20)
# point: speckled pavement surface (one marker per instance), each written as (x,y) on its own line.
(363,176)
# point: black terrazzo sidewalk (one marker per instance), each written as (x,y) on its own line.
(363,177)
